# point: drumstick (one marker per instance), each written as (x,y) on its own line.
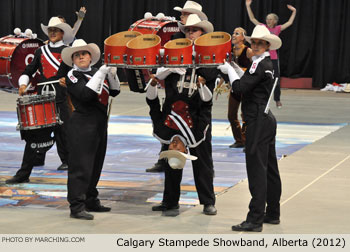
(267,108)
(48,82)
(149,83)
(27,88)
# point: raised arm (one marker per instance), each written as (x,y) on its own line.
(80,17)
(291,19)
(250,13)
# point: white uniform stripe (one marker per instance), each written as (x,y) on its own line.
(183,131)
(49,53)
(185,124)
(49,59)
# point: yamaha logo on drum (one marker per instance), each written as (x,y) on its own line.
(171,29)
(30,45)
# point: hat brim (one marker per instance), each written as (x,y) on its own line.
(275,41)
(68,36)
(176,154)
(205,25)
(201,14)
(92,48)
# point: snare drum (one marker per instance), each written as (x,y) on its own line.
(37,111)
(163,28)
(115,47)
(143,52)
(212,49)
(15,54)
(178,53)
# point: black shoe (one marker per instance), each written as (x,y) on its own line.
(237,145)
(164,207)
(247,226)
(17,180)
(62,167)
(271,220)
(98,208)
(209,210)
(157,167)
(83,215)
(171,212)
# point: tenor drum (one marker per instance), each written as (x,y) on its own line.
(37,111)
(143,52)
(115,47)
(164,28)
(15,54)
(212,49)
(178,53)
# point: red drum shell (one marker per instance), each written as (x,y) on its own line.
(178,52)
(115,46)
(163,28)
(213,43)
(143,51)
(15,54)
(36,111)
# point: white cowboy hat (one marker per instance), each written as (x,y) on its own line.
(56,22)
(80,45)
(261,32)
(176,159)
(193,8)
(194,20)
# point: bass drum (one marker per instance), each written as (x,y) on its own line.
(15,54)
(164,28)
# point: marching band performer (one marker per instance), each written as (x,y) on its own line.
(188,112)
(242,55)
(190,7)
(89,89)
(256,85)
(47,60)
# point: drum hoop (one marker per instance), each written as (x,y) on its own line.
(142,66)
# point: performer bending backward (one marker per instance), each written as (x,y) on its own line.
(242,55)
(89,90)
(186,114)
(47,59)
(255,85)
(190,7)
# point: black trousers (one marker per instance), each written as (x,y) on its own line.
(262,169)
(60,134)
(203,173)
(87,141)
(38,141)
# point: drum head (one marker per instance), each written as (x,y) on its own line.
(121,38)
(213,39)
(144,41)
(178,43)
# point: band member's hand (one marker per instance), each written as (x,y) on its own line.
(291,7)
(81,13)
(22,90)
(62,82)
(200,81)
(113,71)
(225,68)
(248,2)
(104,69)
(154,81)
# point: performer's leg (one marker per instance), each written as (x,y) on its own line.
(277,93)
(233,106)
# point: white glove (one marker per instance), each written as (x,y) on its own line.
(162,73)
(113,79)
(205,93)
(96,82)
(180,71)
(152,92)
(228,69)
(237,68)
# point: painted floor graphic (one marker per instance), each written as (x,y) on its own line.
(132,149)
